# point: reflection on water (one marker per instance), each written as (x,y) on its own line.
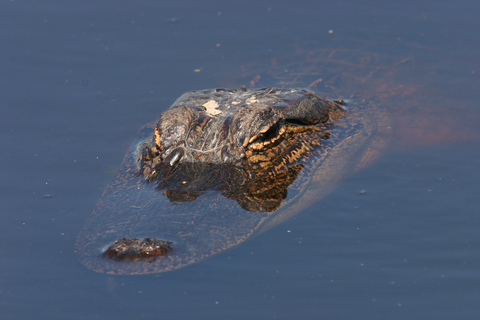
(258,194)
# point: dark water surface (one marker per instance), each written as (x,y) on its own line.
(397,240)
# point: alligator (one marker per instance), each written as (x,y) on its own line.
(220,166)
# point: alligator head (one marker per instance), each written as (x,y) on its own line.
(211,147)
(235,126)
(234,134)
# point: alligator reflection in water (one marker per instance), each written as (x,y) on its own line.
(217,171)
(259,194)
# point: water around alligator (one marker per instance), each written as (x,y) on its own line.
(396,240)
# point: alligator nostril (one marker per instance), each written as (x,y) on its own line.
(134,249)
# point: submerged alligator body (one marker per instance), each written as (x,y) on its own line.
(218,167)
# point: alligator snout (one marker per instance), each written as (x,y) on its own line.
(134,249)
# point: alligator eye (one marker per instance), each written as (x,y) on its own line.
(269,134)
(274,133)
